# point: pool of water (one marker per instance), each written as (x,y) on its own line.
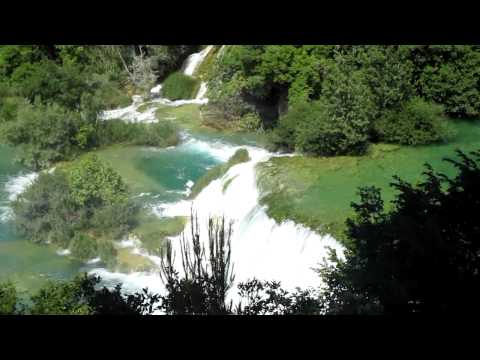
(154,176)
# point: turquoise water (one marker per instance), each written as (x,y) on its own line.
(27,265)
(158,175)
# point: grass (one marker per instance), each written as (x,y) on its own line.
(154,231)
(240,156)
(318,192)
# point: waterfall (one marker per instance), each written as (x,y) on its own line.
(261,248)
(14,186)
(194,61)
(131,113)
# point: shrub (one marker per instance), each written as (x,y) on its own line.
(45,212)
(114,220)
(179,86)
(418,123)
(251,121)
(160,134)
(83,246)
(45,134)
(107,253)
(93,183)
(8,299)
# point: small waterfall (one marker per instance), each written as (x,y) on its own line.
(14,186)
(193,61)
(131,114)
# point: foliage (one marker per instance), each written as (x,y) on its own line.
(46,134)
(251,121)
(356,85)
(448,75)
(338,124)
(76,208)
(45,211)
(159,134)
(268,298)
(207,273)
(81,297)
(83,247)
(94,183)
(8,299)
(417,123)
(420,257)
(179,86)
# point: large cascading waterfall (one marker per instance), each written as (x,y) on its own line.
(261,248)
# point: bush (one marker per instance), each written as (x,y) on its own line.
(251,121)
(46,134)
(179,86)
(160,134)
(50,83)
(448,75)
(107,253)
(83,246)
(93,183)
(418,123)
(45,211)
(114,220)
(8,299)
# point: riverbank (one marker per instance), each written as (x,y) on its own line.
(318,191)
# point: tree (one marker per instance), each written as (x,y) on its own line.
(449,75)
(337,124)
(417,123)
(93,183)
(419,257)
(45,212)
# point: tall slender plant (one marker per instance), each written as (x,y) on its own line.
(206,279)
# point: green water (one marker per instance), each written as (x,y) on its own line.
(319,191)
(158,175)
(27,265)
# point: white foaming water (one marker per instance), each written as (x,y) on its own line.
(18,184)
(6,213)
(156,89)
(64,252)
(194,61)
(261,248)
(131,114)
(93,261)
(13,188)
(202,91)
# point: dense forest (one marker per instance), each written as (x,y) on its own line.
(321,101)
